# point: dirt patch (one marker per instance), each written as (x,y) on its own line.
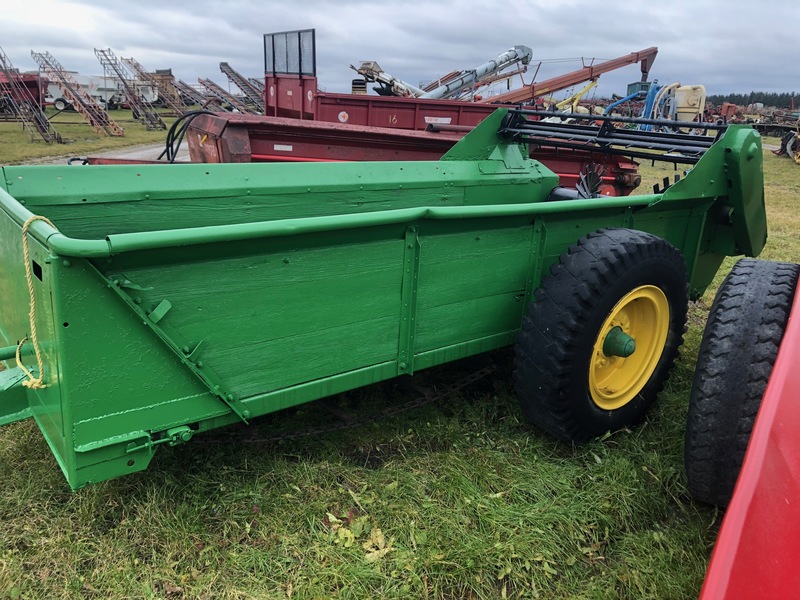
(142,151)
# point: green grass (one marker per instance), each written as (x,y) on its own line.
(469,501)
(459,499)
(80,139)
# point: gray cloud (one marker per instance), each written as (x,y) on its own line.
(725,45)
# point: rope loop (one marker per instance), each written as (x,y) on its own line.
(34,383)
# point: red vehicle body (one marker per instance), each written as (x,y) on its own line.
(26,87)
(756,552)
(228,137)
(297,97)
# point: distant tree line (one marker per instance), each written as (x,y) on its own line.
(778,100)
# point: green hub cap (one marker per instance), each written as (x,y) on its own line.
(619,343)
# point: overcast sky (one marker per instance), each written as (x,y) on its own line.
(726,45)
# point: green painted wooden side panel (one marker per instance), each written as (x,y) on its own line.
(13,291)
(114,378)
(471,283)
(266,318)
(45,404)
(129,199)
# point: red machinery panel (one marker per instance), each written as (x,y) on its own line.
(33,85)
(291,96)
(297,97)
(227,137)
(399,113)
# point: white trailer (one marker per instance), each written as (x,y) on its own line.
(104,89)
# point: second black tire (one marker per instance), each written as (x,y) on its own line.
(571,378)
(740,344)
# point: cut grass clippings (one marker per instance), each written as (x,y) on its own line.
(458,499)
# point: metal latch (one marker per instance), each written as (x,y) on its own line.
(173,437)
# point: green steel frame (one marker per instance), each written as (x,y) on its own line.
(175,300)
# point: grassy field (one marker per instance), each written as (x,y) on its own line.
(80,139)
(459,499)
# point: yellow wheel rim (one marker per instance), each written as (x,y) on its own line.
(643,315)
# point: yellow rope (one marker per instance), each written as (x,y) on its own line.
(35,383)
(19,361)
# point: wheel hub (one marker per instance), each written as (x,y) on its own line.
(618,343)
(628,347)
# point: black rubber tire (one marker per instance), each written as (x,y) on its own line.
(556,340)
(740,343)
(61,104)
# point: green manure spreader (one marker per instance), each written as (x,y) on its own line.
(144,305)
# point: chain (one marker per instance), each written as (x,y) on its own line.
(360,421)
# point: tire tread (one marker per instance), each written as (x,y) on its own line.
(738,350)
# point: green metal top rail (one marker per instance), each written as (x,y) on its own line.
(127,242)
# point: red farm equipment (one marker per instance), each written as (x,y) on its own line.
(19,90)
(22,100)
(226,137)
(303,123)
(291,90)
(10,90)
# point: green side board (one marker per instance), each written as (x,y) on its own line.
(171,302)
